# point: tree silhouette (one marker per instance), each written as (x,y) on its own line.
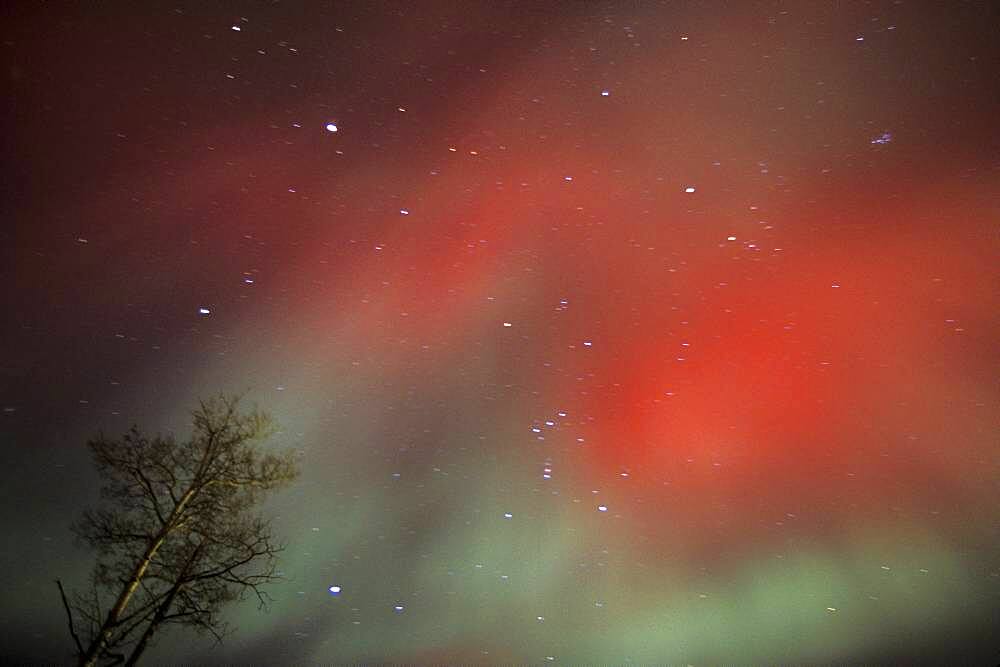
(176,533)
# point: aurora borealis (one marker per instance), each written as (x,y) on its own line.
(608,332)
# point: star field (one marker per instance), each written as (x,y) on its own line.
(607,333)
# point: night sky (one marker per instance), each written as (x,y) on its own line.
(609,332)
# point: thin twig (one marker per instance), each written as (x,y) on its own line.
(69,615)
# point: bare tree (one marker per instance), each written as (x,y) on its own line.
(176,533)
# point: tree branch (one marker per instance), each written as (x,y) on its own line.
(150,493)
(69,616)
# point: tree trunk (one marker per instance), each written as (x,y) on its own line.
(152,627)
(99,643)
(162,609)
